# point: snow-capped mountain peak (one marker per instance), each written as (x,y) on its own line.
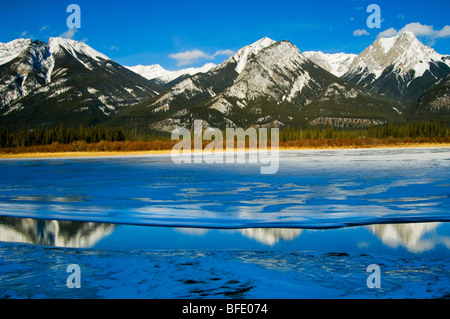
(404,52)
(400,67)
(337,63)
(157,72)
(65,72)
(10,50)
(148,71)
(74,48)
(243,55)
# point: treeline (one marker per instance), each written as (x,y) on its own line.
(67,135)
(410,130)
(100,133)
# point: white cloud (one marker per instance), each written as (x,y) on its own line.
(23,34)
(224,52)
(388,33)
(70,33)
(45,27)
(419,30)
(190,57)
(358,33)
(445,32)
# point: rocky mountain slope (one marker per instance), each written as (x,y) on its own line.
(434,103)
(64,81)
(400,67)
(267,83)
(264,84)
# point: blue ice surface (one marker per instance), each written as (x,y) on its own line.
(31,271)
(312,189)
(229,232)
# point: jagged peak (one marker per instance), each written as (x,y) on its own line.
(156,71)
(12,49)
(72,46)
(265,42)
(405,40)
(16,41)
(408,34)
(404,52)
(241,56)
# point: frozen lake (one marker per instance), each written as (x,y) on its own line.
(144,227)
(312,189)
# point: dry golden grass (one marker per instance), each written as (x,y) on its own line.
(103,148)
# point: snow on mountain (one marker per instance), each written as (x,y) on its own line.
(337,64)
(203,86)
(157,72)
(75,48)
(243,55)
(28,72)
(240,58)
(66,81)
(400,67)
(266,84)
(404,53)
(282,77)
(279,65)
(9,51)
(435,102)
(263,83)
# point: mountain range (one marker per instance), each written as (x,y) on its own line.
(167,78)
(64,81)
(265,84)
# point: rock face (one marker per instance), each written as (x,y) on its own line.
(64,81)
(400,67)
(265,83)
(434,103)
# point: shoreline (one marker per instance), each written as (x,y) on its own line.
(25,155)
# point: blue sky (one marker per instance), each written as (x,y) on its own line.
(179,34)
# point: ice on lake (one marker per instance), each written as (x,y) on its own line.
(143,227)
(312,189)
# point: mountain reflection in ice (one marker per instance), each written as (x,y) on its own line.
(53,232)
(270,236)
(409,235)
(416,237)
